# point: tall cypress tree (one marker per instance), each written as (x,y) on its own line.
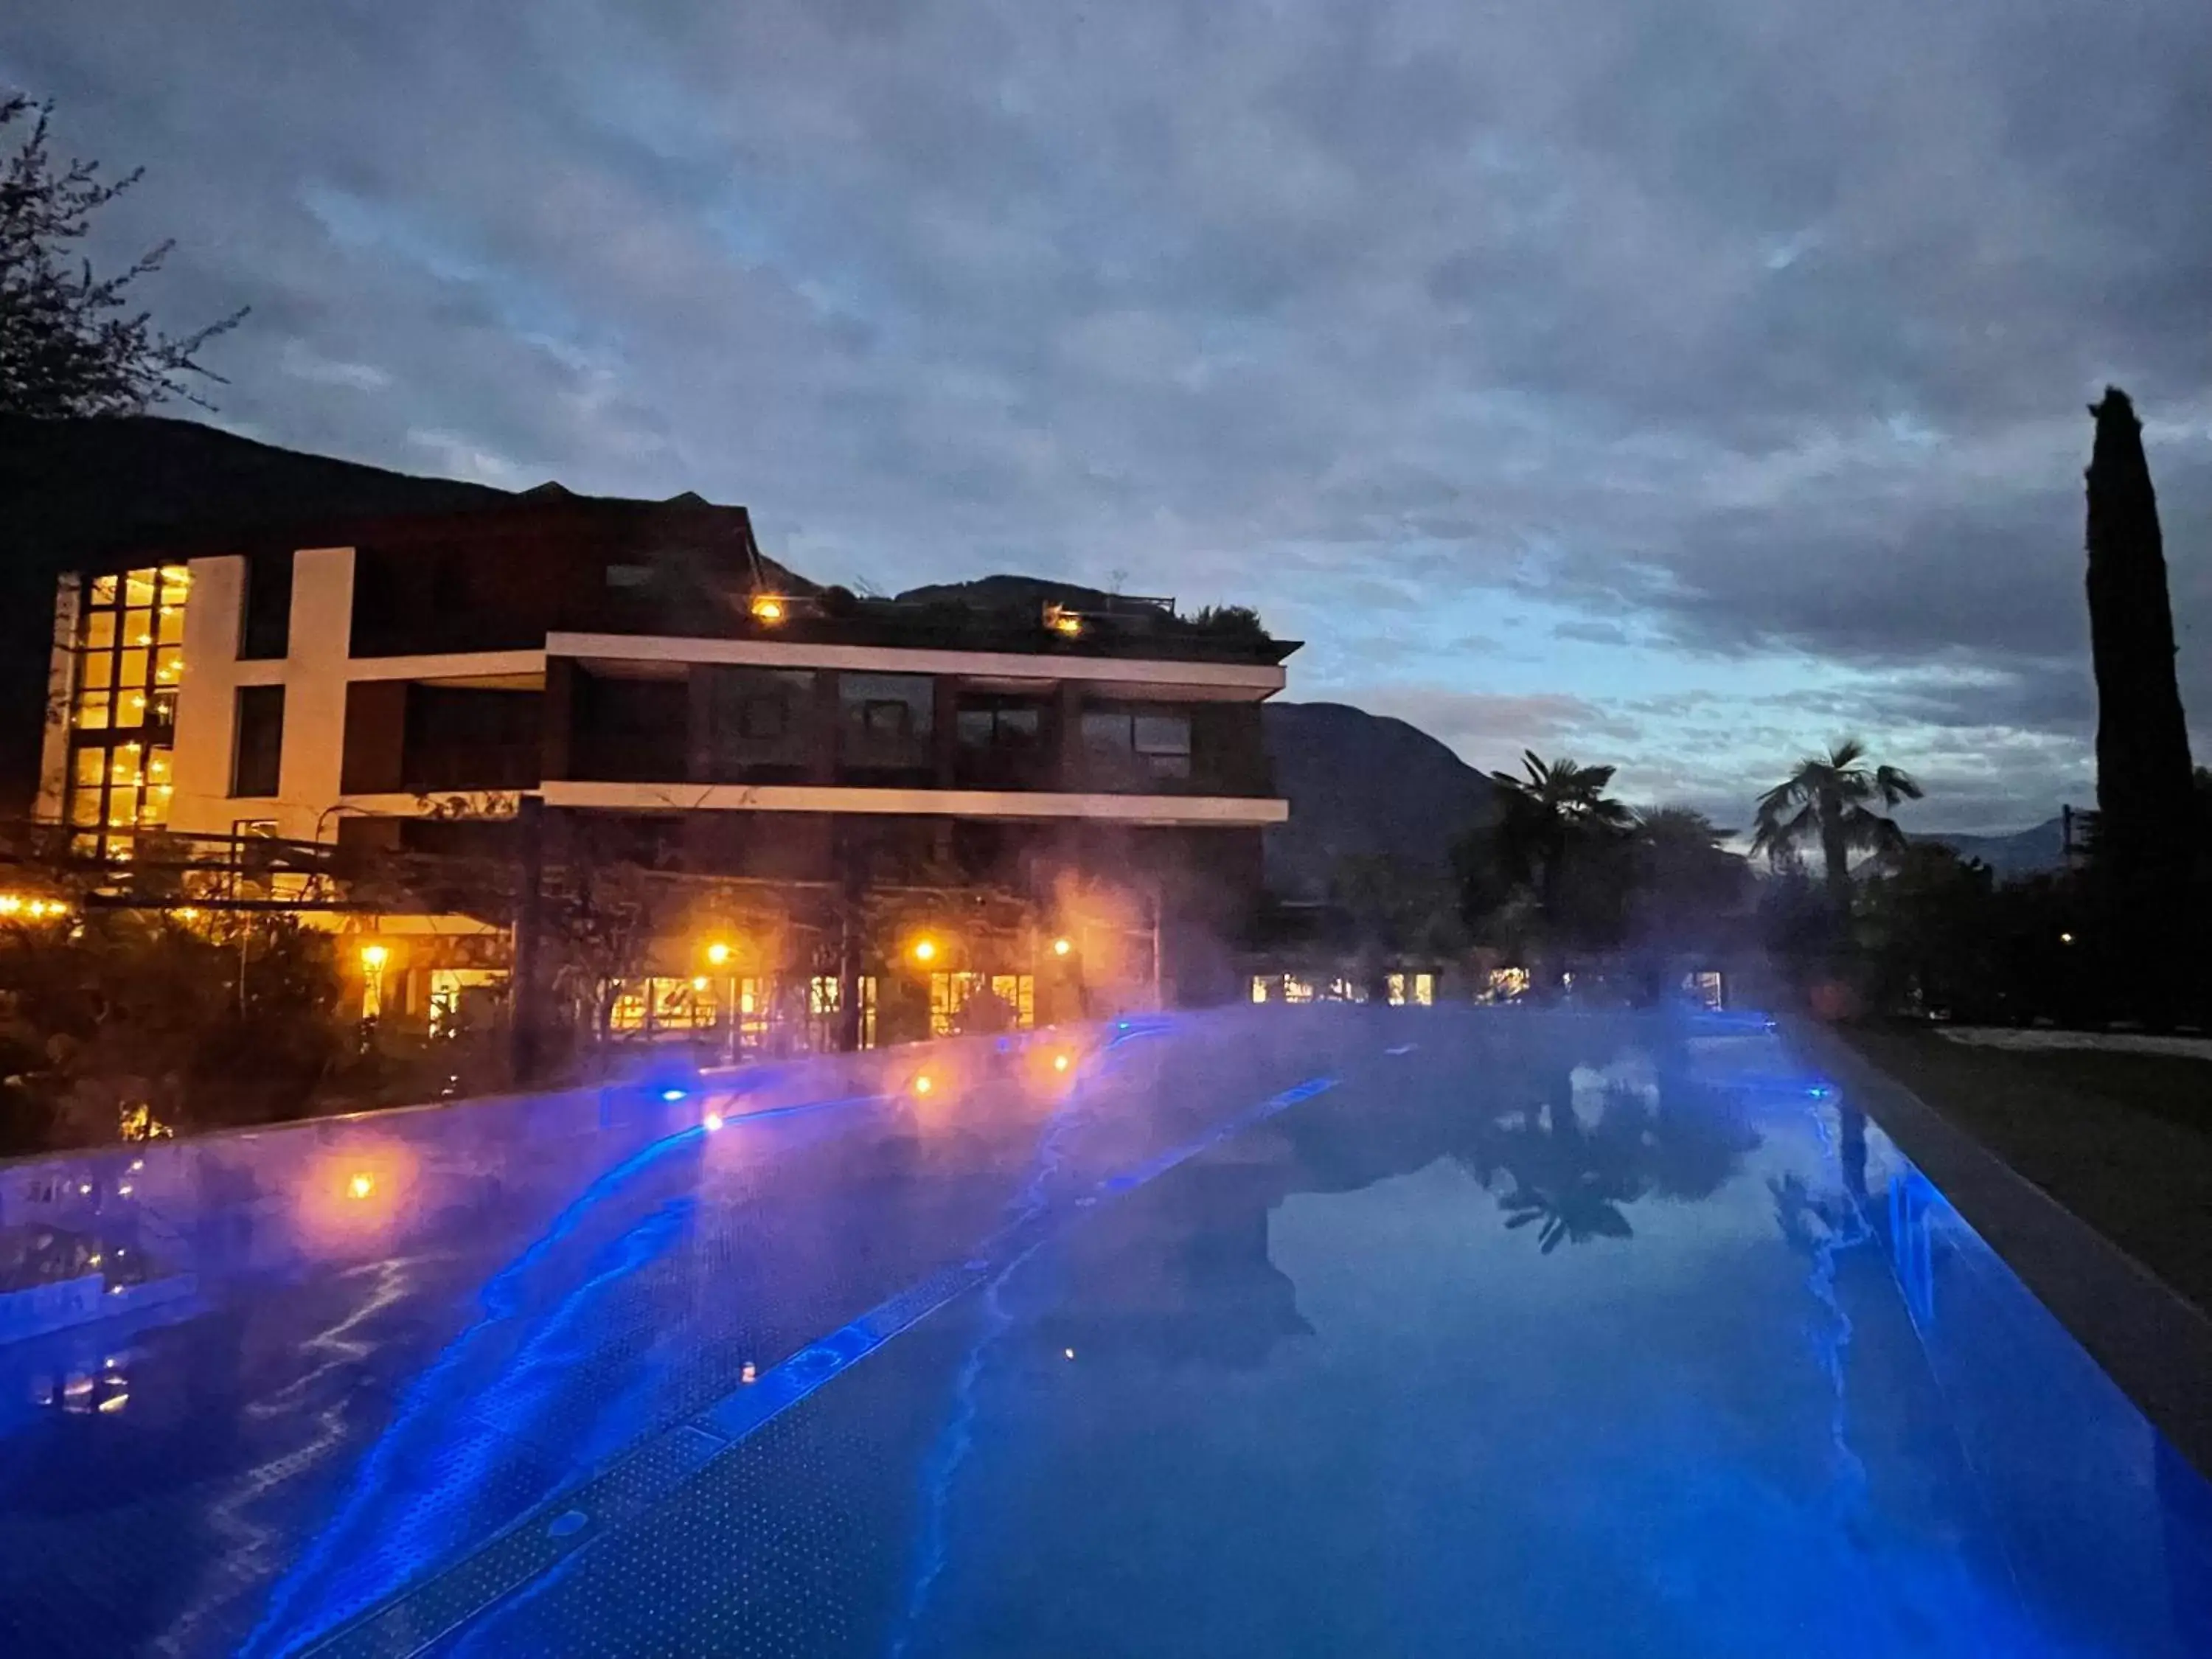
(2144,793)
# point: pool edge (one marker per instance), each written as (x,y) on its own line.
(2153,1344)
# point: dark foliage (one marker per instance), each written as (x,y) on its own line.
(197,1026)
(1832,802)
(70,342)
(2146,851)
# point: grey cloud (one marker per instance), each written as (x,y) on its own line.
(1738,325)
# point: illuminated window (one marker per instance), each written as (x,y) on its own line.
(1260,984)
(662,1003)
(950,993)
(1704,988)
(444,1003)
(1422,987)
(128,663)
(756,1004)
(632,1007)
(1296,989)
(1508,983)
(823,996)
(1018,993)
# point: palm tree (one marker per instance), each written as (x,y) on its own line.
(1829,799)
(1558,803)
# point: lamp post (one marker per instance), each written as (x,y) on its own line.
(373,959)
(717,956)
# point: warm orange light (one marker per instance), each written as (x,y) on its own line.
(718,953)
(699,981)
(1063,621)
(768,608)
(361,1184)
(373,957)
(925,949)
(1059,1062)
(2066,938)
(922,1085)
(1061,947)
(713,1120)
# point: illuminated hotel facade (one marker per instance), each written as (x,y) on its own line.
(639,669)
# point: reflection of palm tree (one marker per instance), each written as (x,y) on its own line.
(1583,1209)
(1571,1180)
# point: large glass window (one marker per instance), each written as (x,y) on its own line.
(887,717)
(888,705)
(123,705)
(759,717)
(1146,742)
(1000,726)
(980,1002)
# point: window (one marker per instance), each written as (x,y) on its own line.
(763,717)
(952,995)
(1152,743)
(1422,989)
(265,627)
(887,717)
(663,1003)
(823,995)
(1000,726)
(123,704)
(130,650)
(628,575)
(257,741)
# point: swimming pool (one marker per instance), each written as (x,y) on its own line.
(1285,1331)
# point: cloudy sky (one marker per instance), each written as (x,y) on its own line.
(1675,384)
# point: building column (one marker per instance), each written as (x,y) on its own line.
(826,734)
(699,723)
(1067,735)
(557,719)
(61,684)
(944,728)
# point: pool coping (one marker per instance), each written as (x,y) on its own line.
(2150,1341)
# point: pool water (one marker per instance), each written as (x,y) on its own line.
(1283,1331)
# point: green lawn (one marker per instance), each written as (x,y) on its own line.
(2122,1140)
